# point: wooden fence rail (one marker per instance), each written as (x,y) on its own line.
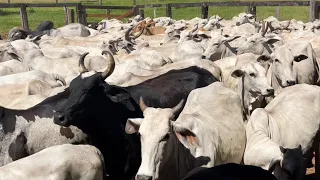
(81,10)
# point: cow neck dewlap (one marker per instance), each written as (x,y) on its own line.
(87,74)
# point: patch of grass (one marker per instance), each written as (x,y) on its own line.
(10,17)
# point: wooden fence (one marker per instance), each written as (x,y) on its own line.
(138,9)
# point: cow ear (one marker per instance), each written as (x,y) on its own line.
(13,53)
(119,95)
(133,125)
(237,73)
(1,112)
(273,165)
(186,136)
(282,149)
(301,57)
(228,38)
(264,59)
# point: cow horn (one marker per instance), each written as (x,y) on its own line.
(264,28)
(111,65)
(196,38)
(142,105)
(195,28)
(57,77)
(178,107)
(140,33)
(127,35)
(82,68)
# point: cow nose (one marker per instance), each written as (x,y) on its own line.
(58,117)
(270,91)
(203,57)
(143,177)
(291,83)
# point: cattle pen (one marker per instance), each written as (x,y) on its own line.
(81,10)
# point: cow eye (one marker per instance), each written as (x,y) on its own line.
(252,41)
(277,60)
(165,138)
(252,75)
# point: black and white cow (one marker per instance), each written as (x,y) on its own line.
(101,110)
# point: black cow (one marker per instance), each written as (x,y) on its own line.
(101,110)
(232,171)
(42,29)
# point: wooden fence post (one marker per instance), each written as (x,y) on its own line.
(136,10)
(24,17)
(82,15)
(108,13)
(168,10)
(278,12)
(9,1)
(252,9)
(57,1)
(72,15)
(204,11)
(141,13)
(66,15)
(313,10)
(100,2)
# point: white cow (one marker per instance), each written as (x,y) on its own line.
(293,63)
(24,77)
(72,162)
(210,129)
(252,85)
(291,119)
(13,67)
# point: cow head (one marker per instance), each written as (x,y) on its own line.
(172,32)
(187,35)
(218,45)
(253,79)
(243,18)
(90,95)
(282,65)
(291,167)
(8,52)
(260,43)
(158,132)
(214,23)
(16,33)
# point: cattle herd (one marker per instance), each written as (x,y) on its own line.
(161,99)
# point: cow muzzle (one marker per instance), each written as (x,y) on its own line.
(268,92)
(59,119)
(143,177)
